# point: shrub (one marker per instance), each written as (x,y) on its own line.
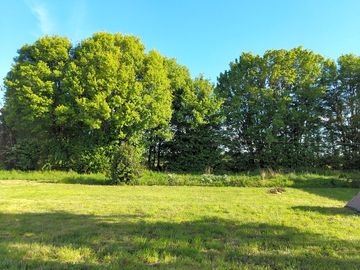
(93,161)
(22,156)
(125,165)
(215,180)
(171,179)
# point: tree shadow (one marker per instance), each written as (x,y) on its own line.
(85,180)
(329,186)
(327,210)
(315,182)
(67,241)
(339,194)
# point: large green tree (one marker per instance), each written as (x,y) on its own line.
(190,142)
(117,90)
(77,102)
(195,122)
(343,117)
(273,106)
(33,92)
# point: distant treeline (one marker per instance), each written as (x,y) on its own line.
(72,106)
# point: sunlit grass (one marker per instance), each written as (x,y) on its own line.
(66,226)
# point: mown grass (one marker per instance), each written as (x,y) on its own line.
(260,178)
(66,226)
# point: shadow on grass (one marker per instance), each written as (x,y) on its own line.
(329,186)
(340,194)
(85,180)
(327,210)
(69,241)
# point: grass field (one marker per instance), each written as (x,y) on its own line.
(72,226)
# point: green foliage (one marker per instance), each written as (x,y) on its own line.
(274,107)
(68,107)
(195,145)
(126,166)
(22,156)
(97,160)
(33,87)
(80,100)
(115,86)
(189,141)
(5,140)
(215,180)
(343,113)
(258,178)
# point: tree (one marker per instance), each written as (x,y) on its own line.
(343,117)
(6,140)
(188,142)
(195,123)
(159,138)
(33,92)
(82,102)
(273,107)
(74,107)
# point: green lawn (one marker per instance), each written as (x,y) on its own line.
(72,226)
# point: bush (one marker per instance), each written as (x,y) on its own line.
(125,165)
(215,180)
(93,161)
(22,156)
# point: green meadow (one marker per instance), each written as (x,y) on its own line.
(59,223)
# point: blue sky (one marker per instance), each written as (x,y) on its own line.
(204,35)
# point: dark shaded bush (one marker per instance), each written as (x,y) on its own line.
(22,156)
(126,165)
(94,161)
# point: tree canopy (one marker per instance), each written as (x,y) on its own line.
(73,104)
(279,109)
(72,107)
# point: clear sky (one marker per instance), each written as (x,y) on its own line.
(204,35)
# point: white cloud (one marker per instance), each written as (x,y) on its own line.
(42,15)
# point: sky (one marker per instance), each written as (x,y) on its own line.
(204,35)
